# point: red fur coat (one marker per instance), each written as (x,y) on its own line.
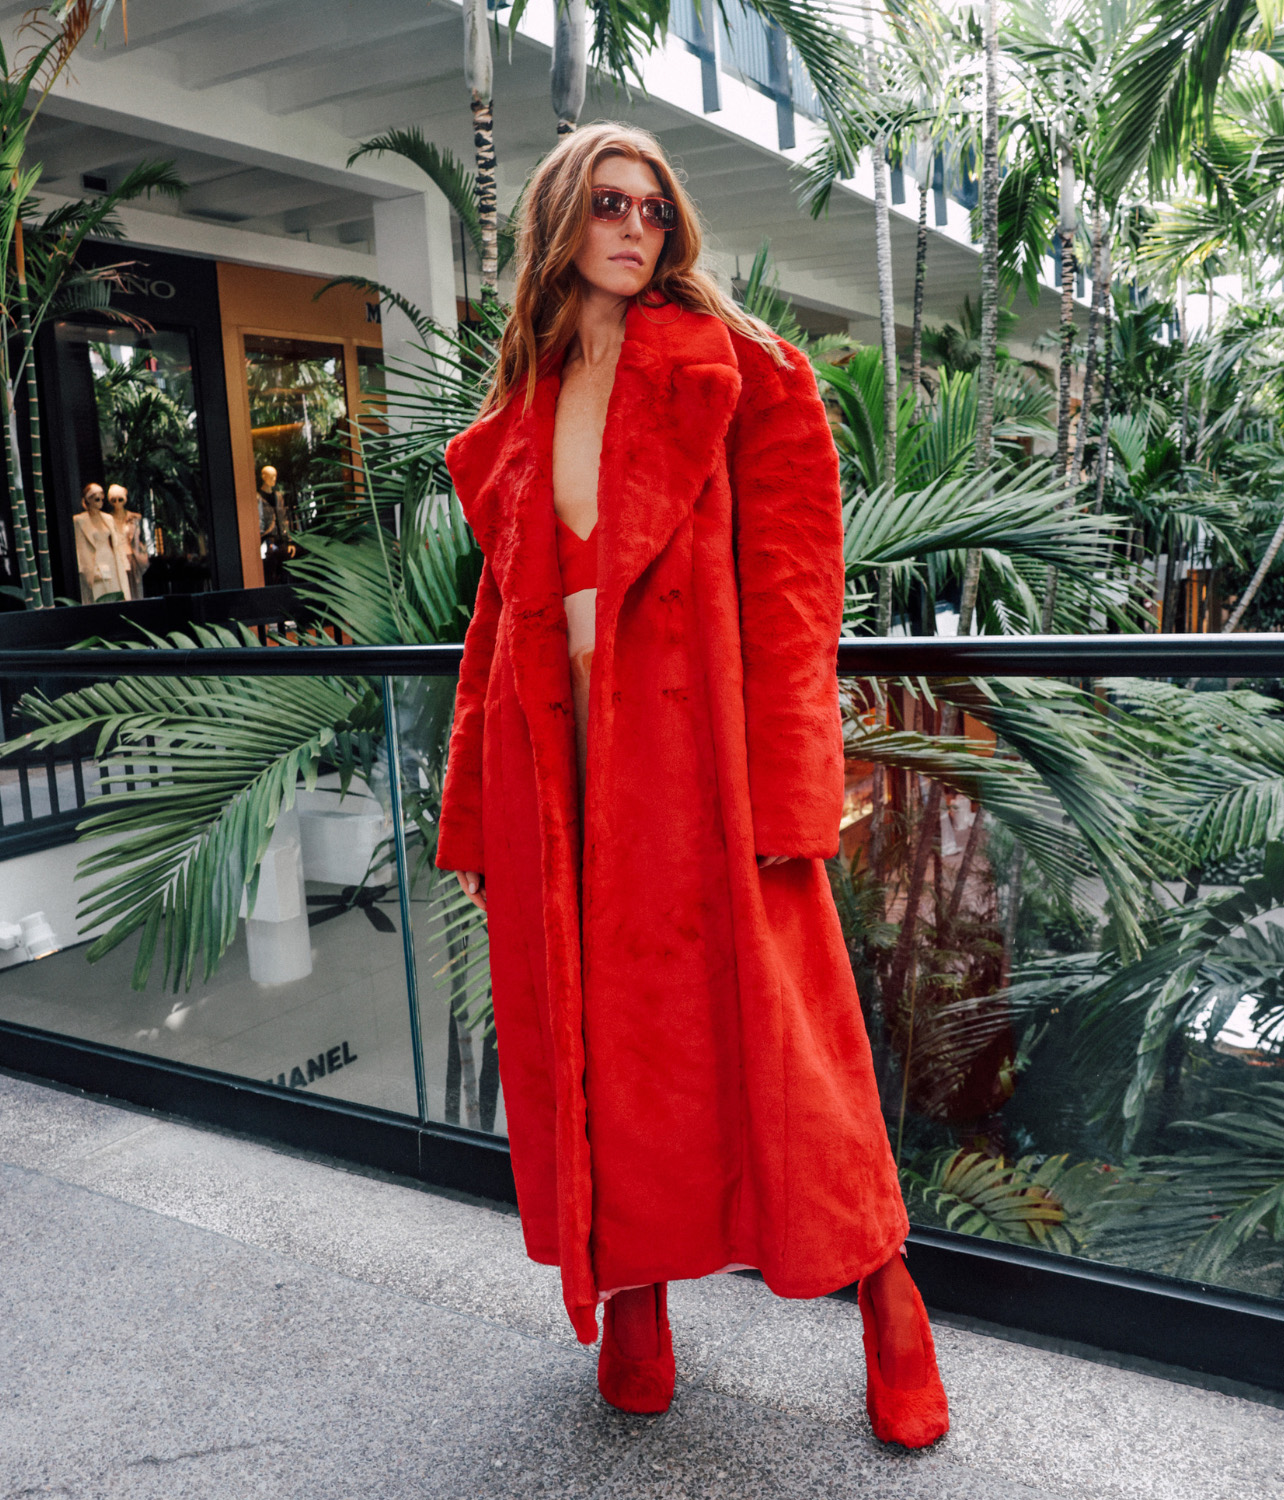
(692,1089)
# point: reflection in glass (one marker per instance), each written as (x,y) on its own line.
(452,953)
(298,412)
(311,993)
(143,451)
(1065,907)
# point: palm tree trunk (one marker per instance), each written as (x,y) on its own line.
(878,829)
(487,206)
(478,76)
(461,1037)
(886,307)
(989,294)
(887,317)
(1090,364)
(488,1082)
(1183,421)
(570,64)
(1107,369)
(1203,389)
(1258,578)
(965,865)
(920,273)
(1065,239)
(1012,916)
(929,833)
(1172,584)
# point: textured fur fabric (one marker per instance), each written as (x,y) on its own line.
(691,1086)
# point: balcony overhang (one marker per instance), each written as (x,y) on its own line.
(261,112)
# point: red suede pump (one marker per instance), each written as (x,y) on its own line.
(637,1385)
(914,1418)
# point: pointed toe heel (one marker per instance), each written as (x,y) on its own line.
(915,1418)
(642,1386)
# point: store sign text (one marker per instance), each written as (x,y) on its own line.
(316,1067)
(141,286)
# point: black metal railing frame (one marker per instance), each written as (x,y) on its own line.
(1206,1328)
(1241,655)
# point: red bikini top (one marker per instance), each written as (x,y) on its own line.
(576,558)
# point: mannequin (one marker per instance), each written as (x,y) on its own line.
(128,525)
(273,533)
(102,557)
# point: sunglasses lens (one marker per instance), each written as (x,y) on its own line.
(609,204)
(660,213)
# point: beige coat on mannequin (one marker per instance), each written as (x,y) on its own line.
(102,557)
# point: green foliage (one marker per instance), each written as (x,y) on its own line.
(1203,1206)
(151,447)
(443,168)
(1027,208)
(1168,80)
(384,590)
(761,297)
(1049,1203)
(195,772)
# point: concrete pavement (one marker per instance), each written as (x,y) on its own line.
(186,1313)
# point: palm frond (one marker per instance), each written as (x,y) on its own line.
(195,772)
(442,167)
(1168,81)
(1031,1203)
(1202,1206)
(1008,790)
(1019,512)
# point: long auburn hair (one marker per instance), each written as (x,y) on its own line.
(554,221)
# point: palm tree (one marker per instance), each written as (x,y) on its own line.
(930,65)
(31,80)
(1038,35)
(570,63)
(461,189)
(1168,81)
(989,286)
(479,79)
(1069,61)
(886,301)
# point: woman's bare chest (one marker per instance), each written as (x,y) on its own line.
(577,444)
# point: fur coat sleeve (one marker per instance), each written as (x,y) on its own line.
(789,562)
(459,834)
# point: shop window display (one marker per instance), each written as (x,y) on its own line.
(298,419)
(142,528)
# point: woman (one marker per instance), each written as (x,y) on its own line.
(128,524)
(101,558)
(645,778)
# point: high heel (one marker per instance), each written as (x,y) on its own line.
(914,1418)
(637,1385)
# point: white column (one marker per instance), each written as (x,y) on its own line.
(415,257)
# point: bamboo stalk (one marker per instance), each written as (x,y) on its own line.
(37,500)
(28,580)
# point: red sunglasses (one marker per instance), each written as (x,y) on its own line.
(611,205)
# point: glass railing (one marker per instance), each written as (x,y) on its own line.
(1061,885)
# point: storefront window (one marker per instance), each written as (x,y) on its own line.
(141,526)
(298,417)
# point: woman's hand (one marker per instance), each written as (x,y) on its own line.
(764,860)
(470,882)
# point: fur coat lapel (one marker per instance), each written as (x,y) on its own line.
(676,387)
